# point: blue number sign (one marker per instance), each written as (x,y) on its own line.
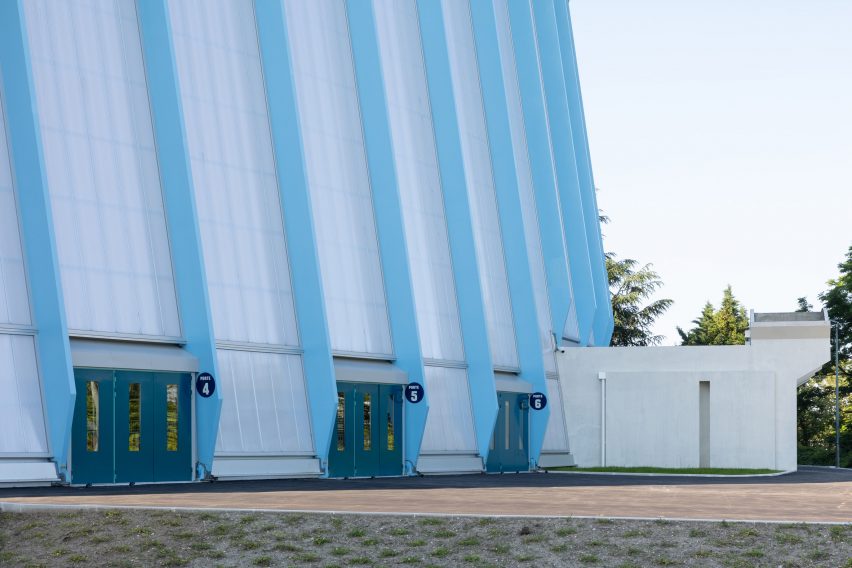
(538,401)
(205,385)
(414,392)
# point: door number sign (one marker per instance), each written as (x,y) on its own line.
(538,401)
(414,392)
(205,385)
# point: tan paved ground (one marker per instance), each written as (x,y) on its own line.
(806,496)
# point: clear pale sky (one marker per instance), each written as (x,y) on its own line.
(721,140)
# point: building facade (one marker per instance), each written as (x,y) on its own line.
(286,238)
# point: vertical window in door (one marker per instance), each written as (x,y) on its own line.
(134,416)
(391,439)
(368,423)
(341,422)
(92,415)
(506,423)
(171,418)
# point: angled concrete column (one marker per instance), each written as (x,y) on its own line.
(603,322)
(295,203)
(483,390)
(559,286)
(388,211)
(179,200)
(509,207)
(37,234)
(568,181)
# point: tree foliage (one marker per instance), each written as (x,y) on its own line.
(725,326)
(632,287)
(816,403)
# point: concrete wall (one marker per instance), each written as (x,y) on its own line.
(650,400)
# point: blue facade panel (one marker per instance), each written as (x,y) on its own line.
(603,321)
(295,201)
(560,289)
(509,206)
(380,159)
(565,158)
(37,230)
(483,392)
(181,215)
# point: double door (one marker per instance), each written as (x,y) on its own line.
(509,449)
(368,434)
(131,426)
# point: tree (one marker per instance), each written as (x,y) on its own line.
(816,435)
(725,326)
(631,288)
(804,305)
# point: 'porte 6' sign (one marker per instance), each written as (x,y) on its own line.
(538,401)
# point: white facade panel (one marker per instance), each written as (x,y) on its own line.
(419,180)
(338,178)
(21,412)
(14,298)
(480,183)
(556,435)
(525,184)
(264,404)
(449,426)
(101,167)
(233,170)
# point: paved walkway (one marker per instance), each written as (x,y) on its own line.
(812,494)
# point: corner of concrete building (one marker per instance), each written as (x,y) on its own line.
(683,407)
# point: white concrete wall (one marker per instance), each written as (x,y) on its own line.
(651,404)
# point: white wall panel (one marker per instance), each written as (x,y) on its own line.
(14,299)
(21,412)
(480,183)
(419,179)
(525,183)
(236,190)
(449,426)
(101,167)
(264,404)
(556,435)
(337,174)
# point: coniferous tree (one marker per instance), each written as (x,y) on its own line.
(725,326)
(634,315)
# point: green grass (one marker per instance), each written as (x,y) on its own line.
(679,471)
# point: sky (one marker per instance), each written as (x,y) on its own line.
(721,142)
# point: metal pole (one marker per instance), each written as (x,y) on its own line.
(836,394)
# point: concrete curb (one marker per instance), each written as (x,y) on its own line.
(11,507)
(689,475)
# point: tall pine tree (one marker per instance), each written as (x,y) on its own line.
(725,326)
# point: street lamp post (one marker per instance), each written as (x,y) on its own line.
(836,394)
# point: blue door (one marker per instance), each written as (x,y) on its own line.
(368,431)
(131,426)
(172,426)
(509,449)
(92,428)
